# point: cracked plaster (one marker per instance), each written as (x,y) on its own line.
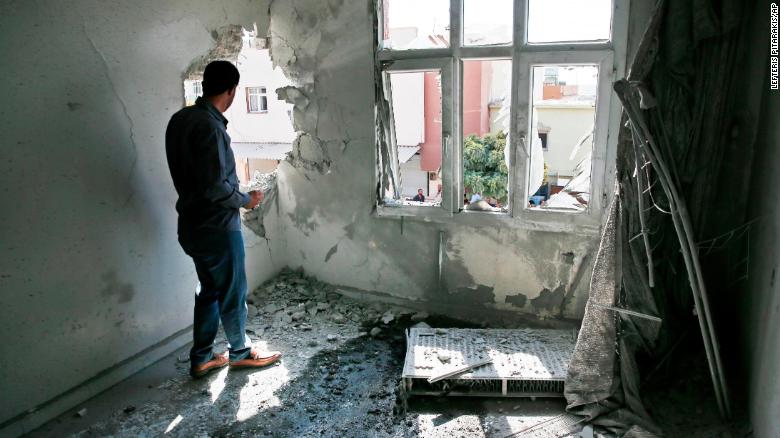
(89,235)
(327,188)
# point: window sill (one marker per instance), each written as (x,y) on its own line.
(548,221)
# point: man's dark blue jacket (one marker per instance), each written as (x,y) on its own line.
(203,170)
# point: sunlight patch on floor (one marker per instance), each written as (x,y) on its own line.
(259,393)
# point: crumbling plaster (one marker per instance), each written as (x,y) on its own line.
(327,190)
(90,269)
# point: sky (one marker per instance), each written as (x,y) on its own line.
(549,20)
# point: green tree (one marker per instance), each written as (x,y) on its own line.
(484,168)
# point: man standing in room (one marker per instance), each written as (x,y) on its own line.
(204,173)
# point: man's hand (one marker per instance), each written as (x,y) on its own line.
(255,198)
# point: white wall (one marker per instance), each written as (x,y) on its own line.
(412,178)
(567,125)
(91,273)
(409,107)
(273,126)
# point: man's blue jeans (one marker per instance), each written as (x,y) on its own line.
(219,262)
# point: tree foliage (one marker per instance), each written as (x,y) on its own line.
(484,167)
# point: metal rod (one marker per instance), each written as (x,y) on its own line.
(628,312)
(459,370)
(688,248)
(642,221)
(440,279)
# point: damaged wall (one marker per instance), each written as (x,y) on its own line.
(328,194)
(90,270)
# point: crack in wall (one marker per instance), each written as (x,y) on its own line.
(122,103)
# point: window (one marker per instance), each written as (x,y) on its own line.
(543,139)
(193,88)
(416,103)
(509,72)
(256,100)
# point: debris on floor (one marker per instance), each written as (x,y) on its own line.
(339,377)
(488,362)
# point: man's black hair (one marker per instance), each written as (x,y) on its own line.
(219,77)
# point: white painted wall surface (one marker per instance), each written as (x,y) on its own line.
(409,108)
(412,178)
(91,272)
(567,125)
(273,126)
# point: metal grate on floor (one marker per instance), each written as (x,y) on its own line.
(525,362)
(560,426)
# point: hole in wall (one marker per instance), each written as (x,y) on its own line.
(260,123)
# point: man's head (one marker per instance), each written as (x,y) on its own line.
(420,192)
(219,83)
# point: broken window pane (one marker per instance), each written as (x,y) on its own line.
(414,24)
(416,107)
(562,128)
(487,22)
(487,88)
(569,20)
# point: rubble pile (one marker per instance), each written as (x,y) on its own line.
(265,182)
(261,181)
(293,301)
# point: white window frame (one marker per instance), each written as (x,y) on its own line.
(443,66)
(193,88)
(262,92)
(609,56)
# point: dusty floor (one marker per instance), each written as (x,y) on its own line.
(335,380)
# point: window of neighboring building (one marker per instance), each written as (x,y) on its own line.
(193,88)
(505,69)
(256,100)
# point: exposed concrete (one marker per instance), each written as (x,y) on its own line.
(90,268)
(227,45)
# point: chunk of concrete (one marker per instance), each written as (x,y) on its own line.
(388,317)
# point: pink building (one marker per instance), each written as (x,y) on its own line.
(476,114)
